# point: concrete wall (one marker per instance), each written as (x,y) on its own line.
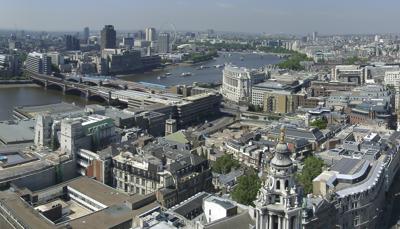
(47,177)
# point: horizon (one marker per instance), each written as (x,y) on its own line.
(236,16)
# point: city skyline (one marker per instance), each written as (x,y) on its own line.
(254,16)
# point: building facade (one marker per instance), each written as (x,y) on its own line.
(108,37)
(150,34)
(237,83)
(38,63)
(164,43)
(349,73)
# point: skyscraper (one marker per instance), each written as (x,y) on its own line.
(315,36)
(86,34)
(150,34)
(163,43)
(140,35)
(71,43)
(108,37)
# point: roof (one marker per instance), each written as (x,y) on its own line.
(239,221)
(178,136)
(51,109)
(191,204)
(110,217)
(22,211)
(100,192)
(370,181)
(221,202)
(12,132)
(295,133)
(189,160)
(231,176)
(346,165)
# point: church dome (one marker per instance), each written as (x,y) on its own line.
(282,153)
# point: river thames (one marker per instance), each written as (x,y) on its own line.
(25,96)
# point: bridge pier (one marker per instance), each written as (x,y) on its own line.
(46,84)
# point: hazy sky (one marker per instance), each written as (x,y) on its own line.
(277,16)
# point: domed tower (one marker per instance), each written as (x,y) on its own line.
(277,202)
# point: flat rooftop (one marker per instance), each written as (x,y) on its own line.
(110,217)
(98,191)
(347,165)
(51,109)
(24,213)
(14,132)
(118,210)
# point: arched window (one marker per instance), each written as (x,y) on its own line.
(278,184)
(286,184)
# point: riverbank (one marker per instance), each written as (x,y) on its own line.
(18,85)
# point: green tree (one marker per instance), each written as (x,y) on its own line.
(225,164)
(355,60)
(312,168)
(55,68)
(247,188)
(320,123)
(293,62)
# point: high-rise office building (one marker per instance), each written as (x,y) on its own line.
(150,34)
(86,34)
(140,35)
(38,63)
(163,43)
(56,58)
(108,37)
(128,42)
(10,65)
(71,43)
(315,36)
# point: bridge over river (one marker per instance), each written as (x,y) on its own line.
(110,90)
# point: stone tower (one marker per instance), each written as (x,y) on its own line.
(43,130)
(170,126)
(277,203)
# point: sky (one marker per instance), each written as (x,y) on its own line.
(254,16)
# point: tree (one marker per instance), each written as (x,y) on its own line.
(246,190)
(320,123)
(225,164)
(255,108)
(312,168)
(55,68)
(355,60)
(293,62)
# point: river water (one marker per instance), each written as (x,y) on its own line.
(25,96)
(209,73)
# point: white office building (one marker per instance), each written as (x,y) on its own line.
(38,63)
(392,78)
(150,34)
(237,83)
(56,58)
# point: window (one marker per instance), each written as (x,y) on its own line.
(209,212)
(278,184)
